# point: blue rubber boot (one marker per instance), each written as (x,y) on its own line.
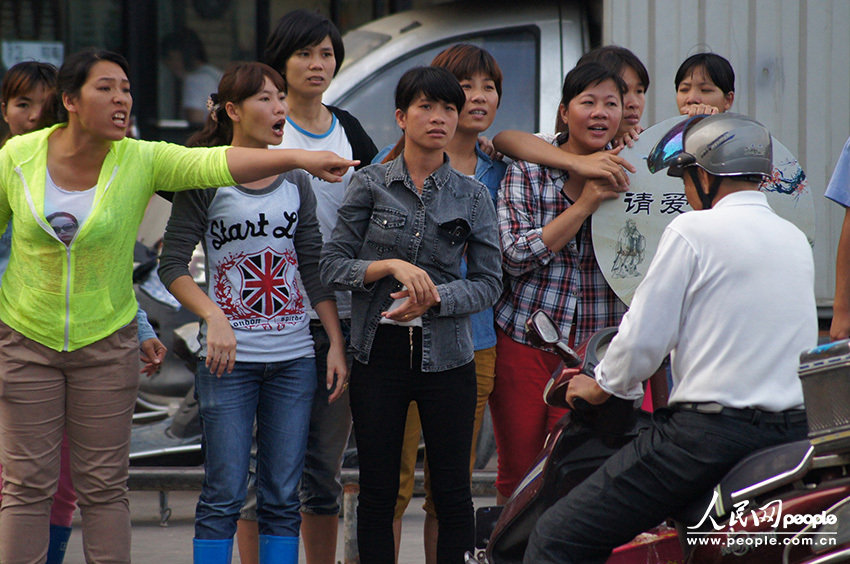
(58,543)
(278,550)
(208,551)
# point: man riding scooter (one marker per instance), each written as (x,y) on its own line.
(729,295)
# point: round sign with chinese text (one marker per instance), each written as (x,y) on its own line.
(626,231)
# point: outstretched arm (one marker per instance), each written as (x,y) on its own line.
(650,329)
(604,165)
(248,165)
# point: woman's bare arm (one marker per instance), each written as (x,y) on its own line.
(248,165)
(604,165)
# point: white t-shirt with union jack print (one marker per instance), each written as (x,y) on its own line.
(256,242)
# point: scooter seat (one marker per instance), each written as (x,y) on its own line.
(759,473)
(763,471)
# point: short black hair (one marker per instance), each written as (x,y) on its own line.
(435,83)
(299,29)
(25,77)
(589,74)
(615,58)
(718,68)
(465,60)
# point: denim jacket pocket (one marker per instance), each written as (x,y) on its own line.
(385,229)
(450,242)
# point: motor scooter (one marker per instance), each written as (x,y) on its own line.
(788,503)
(166,430)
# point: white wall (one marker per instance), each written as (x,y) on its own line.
(792,73)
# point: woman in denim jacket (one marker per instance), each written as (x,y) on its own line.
(398,243)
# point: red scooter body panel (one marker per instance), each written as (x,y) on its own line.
(657,546)
(764,542)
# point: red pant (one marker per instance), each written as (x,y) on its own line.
(521,420)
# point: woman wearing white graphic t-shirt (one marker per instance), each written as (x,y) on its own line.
(255,329)
(307,49)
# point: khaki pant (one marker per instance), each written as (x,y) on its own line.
(89,392)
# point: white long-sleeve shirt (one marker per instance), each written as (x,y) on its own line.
(730,293)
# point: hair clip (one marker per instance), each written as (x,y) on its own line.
(213,106)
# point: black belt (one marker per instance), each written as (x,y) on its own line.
(750,414)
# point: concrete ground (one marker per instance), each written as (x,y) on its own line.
(153,544)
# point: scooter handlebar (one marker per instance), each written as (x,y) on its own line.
(581,405)
(570,358)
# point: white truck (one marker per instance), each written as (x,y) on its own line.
(790,58)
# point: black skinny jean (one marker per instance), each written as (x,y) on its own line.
(381,392)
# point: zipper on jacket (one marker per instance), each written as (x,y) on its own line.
(108,184)
(410,338)
(68,300)
(50,231)
(68,254)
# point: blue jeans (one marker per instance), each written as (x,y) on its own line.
(279,395)
(330,425)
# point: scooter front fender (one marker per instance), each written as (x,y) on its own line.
(573,451)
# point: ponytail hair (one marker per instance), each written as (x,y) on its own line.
(239,82)
(75,71)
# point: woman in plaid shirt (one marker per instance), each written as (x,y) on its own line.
(548,260)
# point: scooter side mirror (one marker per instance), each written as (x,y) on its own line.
(542,328)
(544,333)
